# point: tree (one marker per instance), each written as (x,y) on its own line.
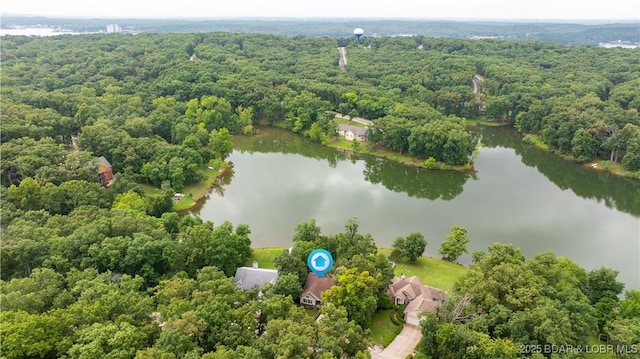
(412,246)
(130,200)
(602,283)
(624,334)
(288,285)
(221,143)
(537,301)
(290,263)
(117,340)
(455,244)
(356,292)
(340,336)
(33,335)
(350,242)
(221,246)
(448,340)
(630,306)
(306,231)
(584,146)
(631,159)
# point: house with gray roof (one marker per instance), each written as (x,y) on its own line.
(254,277)
(352,132)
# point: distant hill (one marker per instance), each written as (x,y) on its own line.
(590,34)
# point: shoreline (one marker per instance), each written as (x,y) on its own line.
(597,164)
(363,149)
(196,191)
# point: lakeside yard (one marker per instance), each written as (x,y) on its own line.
(264,256)
(194,191)
(431,271)
(405,159)
(434,272)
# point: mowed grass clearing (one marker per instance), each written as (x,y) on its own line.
(344,121)
(434,272)
(383,331)
(264,257)
(193,192)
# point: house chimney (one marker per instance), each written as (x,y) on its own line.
(255,264)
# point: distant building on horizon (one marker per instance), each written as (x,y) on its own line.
(113,28)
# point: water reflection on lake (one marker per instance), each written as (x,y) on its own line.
(518,194)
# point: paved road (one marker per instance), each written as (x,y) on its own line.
(403,345)
(356,119)
(477,79)
(343,58)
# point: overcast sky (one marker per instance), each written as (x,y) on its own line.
(608,10)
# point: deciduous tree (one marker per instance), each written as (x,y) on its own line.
(455,244)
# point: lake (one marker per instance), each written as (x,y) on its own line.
(518,194)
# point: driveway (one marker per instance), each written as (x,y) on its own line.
(403,345)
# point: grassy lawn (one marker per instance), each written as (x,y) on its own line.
(149,188)
(343,121)
(383,331)
(594,345)
(608,166)
(537,141)
(485,122)
(341,143)
(313,313)
(434,272)
(264,257)
(195,191)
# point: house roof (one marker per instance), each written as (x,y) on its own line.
(408,288)
(316,285)
(421,297)
(250,278)
(421,304)
(358,131)
(103,161)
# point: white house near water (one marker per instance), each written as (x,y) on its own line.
(352,132)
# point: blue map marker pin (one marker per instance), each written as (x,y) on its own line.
(320,262)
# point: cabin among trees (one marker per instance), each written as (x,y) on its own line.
(105,172)
(352,132)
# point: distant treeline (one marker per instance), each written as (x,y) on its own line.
(563,33)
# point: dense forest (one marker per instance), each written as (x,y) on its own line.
(91,271)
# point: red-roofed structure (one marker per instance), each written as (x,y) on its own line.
(314,286)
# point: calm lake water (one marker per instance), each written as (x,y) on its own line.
(517,194)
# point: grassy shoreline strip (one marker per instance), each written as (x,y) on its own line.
(597,164)
(194,191)
(363,148)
